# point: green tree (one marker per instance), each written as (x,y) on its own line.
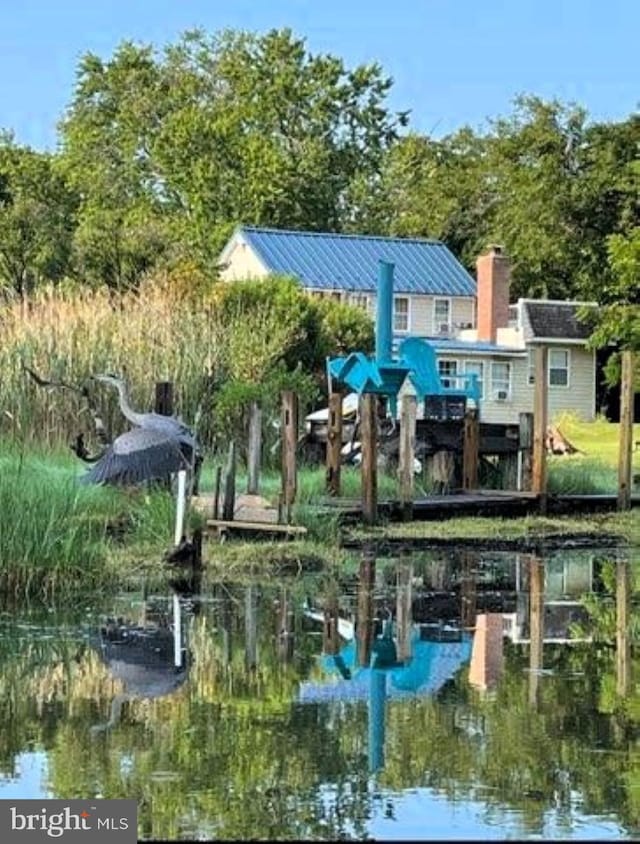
(36,218)
(216,130)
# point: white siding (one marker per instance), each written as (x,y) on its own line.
(242,263)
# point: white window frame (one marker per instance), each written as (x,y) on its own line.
(566,386)
(361,300)
(495,388)
(406,330)
(531,366)
(436,323)
(481,378)
(450,380)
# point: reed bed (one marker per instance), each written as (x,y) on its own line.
(157,333)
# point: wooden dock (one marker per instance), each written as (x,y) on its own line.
(489,503)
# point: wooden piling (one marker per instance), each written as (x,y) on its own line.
(404,617)
(334,444)
(540,420)
(470,450)
(254,452)
(330,636)
(229,493)
(164,398)
(369,467)
(289,452)
(285,633)
(364,620)
(468,592)
(623,616)
(216,492)
(251,627)
(408,416)
(536,626)
(626,431)
(525,452)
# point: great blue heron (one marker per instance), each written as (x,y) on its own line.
(156,447)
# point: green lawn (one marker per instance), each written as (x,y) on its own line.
(599,439)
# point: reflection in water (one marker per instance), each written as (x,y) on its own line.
(148,658)
(272,726)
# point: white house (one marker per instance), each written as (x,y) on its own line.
(471,322)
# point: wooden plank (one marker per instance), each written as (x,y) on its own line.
(369,467)
(470,450)
(289,451)
(408,414)
(334,444)
(254,454)
(626,431)
(540,414)
(268,527)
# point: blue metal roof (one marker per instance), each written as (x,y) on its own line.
(444,344)
(350,262)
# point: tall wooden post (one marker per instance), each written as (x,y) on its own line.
(364,620)
(470,451)
(289,450)
(408,415)
(285,622)
(229,492)
(540,414)
(164,398)
(334,444)
(623,613)
(369,467)
(525,452)
(536,626)
(404,618)
(255,448)
(626,431)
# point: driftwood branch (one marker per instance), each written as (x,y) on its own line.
(78,446)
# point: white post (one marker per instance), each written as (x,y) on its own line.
(180,506)
(177,632)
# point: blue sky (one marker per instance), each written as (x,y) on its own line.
(453,61)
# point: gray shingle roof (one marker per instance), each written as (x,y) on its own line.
(350,262)
(557,320)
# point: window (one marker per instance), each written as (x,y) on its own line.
(558,368)
(500,381)
(361,300)
(400,313)
(448,369)
(476,367)
(442,316)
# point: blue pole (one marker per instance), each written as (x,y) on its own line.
(384,313)
(377,700)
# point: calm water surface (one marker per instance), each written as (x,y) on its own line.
(256,710)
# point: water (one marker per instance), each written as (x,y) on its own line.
(235,712)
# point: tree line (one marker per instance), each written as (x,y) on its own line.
(162,152)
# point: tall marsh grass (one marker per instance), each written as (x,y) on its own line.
(52,530)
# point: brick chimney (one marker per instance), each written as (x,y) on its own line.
(493,275)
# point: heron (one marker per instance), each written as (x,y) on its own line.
(157,445)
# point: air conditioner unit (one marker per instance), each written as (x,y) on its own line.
(500,395)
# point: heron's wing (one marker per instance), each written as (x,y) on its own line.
(138,455)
